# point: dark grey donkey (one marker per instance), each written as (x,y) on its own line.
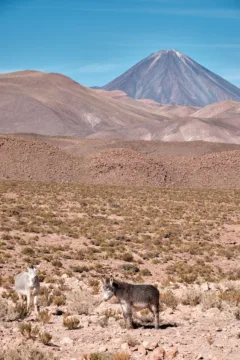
(27,284)
(130,296)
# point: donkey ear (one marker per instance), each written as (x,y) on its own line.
(111,280)
(102,280)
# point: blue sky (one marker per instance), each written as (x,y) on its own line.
(93,41)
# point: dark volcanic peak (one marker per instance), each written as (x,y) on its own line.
(170,77)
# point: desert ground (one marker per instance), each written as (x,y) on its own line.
(183,241)
(194,164)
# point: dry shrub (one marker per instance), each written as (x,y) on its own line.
(41,276)
(21,311)
(71,322)
(57,263)
(59,300)
(121,356)
(28,251)
(228,285)
(237,313)
(45,296)
(44,317)
(191,297)
(130,268)
(211,300)
(169,299)
(3,309)
(82,302)
(29,331)
(188,277)
(231,296)
(79,269)
(108,313)
(27,352)
(127,257)
(45,337)
(95,285)
(146,272)
(8,312)
(50,279)
(95,356)
(10,294)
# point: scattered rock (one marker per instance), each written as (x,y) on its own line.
(149,346)
(171,354)
(214,312)
(67,341)
(152,346)
(157,354)
(204,287)
(102,349)
(125,347)
(145,344)
(142,350)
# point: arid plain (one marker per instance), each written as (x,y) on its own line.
(145,212)
(159,212)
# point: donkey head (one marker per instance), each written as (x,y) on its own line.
(109,288)
(32,277)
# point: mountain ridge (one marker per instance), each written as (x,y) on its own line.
(55,105)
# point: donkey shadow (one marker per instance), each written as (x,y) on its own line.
(162,326)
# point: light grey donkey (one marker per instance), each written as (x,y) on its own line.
(133,297)
(27,284)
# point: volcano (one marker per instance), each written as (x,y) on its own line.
(170,77)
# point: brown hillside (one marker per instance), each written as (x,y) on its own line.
(28,158)
(53,104)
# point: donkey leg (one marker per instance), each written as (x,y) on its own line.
(36,305)
(156,316)
(124,314)
(28,301)
(155,310)
(20,298)
(129,317)
(127,314)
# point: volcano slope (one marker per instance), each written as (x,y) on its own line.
(169,76)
